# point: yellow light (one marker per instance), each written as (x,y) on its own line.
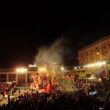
(85,66)
(17,70)
(97,53)
(97,64)
(62,68)
(100,79)
(42,69)
(103,62)
(21,70)
(6,96)
(75,68)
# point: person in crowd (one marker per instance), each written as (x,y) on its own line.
(77,100)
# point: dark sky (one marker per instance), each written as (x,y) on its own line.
(20,41)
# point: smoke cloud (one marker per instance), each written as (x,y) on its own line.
(51,55)
(61,52)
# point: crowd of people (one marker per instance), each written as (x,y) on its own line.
(78,100)
(89,96)
(5,88)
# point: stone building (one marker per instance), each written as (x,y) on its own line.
(95,57)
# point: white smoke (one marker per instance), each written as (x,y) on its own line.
(50,55)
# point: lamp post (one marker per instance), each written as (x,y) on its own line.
(62,70)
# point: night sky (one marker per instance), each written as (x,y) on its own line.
(19,42)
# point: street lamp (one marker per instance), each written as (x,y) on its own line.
(75,67)
(62,68)
(42,69)
(21,70)
(97,53)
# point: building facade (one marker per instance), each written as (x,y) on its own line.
(11,75)
(95,57)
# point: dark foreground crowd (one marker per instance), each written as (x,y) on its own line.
(92,97)
(57,101)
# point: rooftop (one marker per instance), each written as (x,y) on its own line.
(98,41)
